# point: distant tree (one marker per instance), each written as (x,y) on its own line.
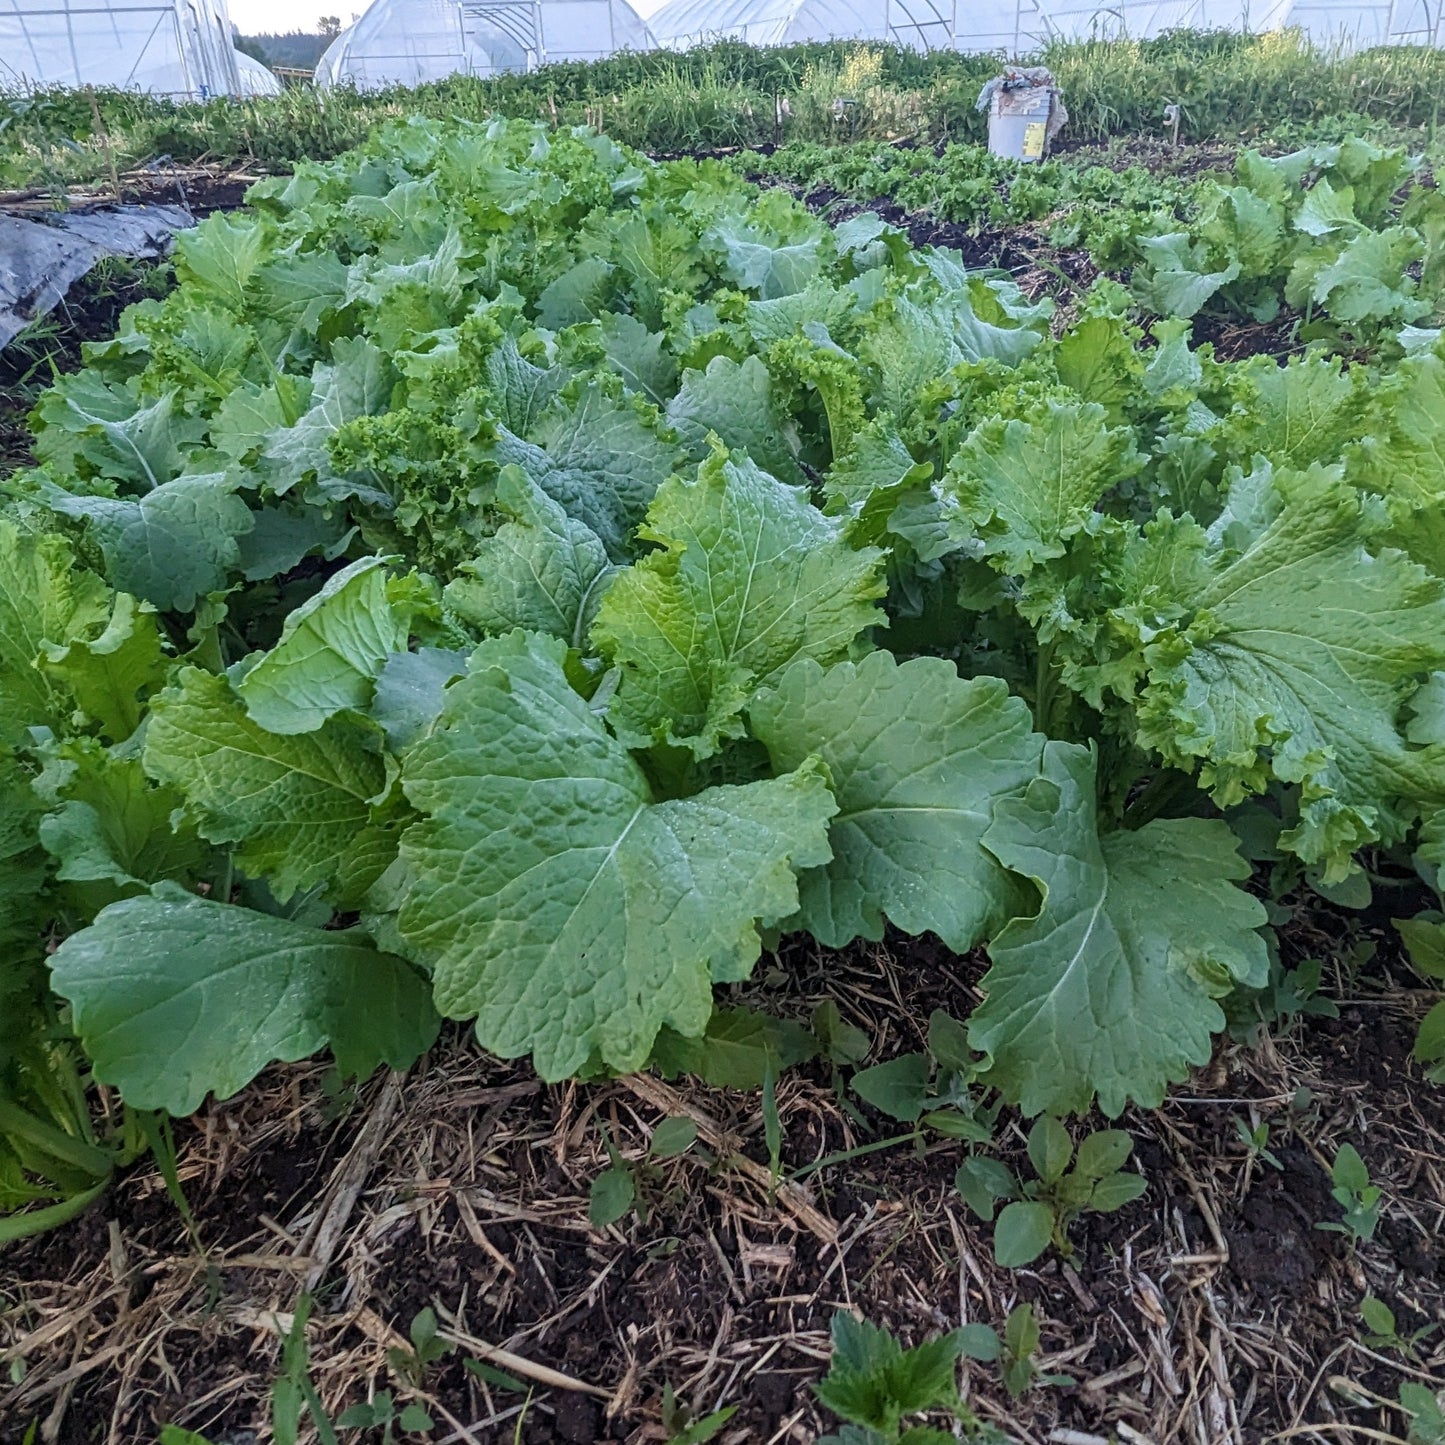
(329,26)
(251,45)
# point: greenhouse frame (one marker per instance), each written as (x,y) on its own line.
(1012,26)
(409,42)
(176,48)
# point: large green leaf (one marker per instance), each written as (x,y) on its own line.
(174,544)
(918,757)
(330,652)
(1293,663)
(110,675)
(1028,486)
(176,997)
(734,401)
(554,899)
(601,459)
(91,427)
(1111,988)
(543,570)
(752,576)
(299,807)
(44,598)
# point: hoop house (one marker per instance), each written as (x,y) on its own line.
(408,42)
(1348,24)
(255,78)
(177,48)
(1012,26)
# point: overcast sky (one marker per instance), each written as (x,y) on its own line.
(258,17)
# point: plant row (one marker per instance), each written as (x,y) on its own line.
(511,580)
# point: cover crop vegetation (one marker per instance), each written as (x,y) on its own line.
(508,579)
(730,94)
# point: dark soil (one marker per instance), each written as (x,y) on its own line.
(1217,1287)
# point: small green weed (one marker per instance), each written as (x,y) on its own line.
(1356,1196)
(1039,1211)
(1383,1331)
(681,1426)
(380,1412)
(625,1183)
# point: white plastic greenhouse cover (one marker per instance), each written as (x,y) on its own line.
(177,48)
(407,42)
(1013,26)
(1349,24)
(255,78)
(1017,26)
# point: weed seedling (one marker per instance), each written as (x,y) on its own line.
(292,1392)
(380,1412)
(1256,1142)
(875,1384)
(682,1428)
(1354,1193)
(1039,1211)
(1427,1418)
(624,1182)
(426,1348)
(1383,1332)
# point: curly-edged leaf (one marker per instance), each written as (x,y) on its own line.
(1110,989)
(554,899)
(110,675)
(1302,412)
(300,807)
(752,576)
(1402,457)
(734,401)
(174,544)
(918,758)
(44,598)
(543,571)
(913,339)
(330,651)
(1028,486)
(1293,664)
(176,997)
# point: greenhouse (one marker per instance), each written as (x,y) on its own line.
(255,78)
(409,42)
(1006,25)
(1014,27)
(1342,23)
(176,48)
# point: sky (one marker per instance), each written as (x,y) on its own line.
(266,17)
(261,17)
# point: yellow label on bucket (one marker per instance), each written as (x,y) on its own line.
(1034,139)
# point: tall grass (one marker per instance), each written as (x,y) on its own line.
(729,94)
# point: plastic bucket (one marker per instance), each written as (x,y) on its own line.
(1018,122)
